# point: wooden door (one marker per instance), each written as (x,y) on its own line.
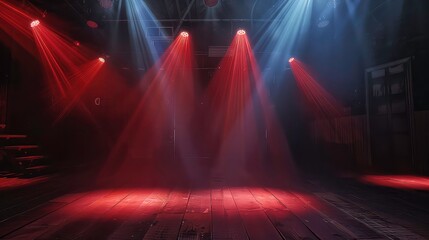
(390,116)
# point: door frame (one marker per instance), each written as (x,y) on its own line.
(408,98)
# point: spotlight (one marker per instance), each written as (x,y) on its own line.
(323,23)
(184,34)
(35,23)
(211,3)
(106,3)
(291,59)
(241,32)
(92,24)
(102,60)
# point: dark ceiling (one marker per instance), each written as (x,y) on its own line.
(377,19)
(377,12)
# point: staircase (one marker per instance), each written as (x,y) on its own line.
(20,158)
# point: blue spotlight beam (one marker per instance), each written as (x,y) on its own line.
(140,20)
(279,37)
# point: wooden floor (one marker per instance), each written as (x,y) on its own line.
(219,212)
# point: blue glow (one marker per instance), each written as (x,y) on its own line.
(387,23)
(291,20)
(213,12)
(140,21)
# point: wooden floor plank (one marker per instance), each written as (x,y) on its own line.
(313,220)
(167,224)
(226,220)
(282,218)
(59,218)
(78,224)
(339,218)
(178,201)
(139,221)
(219,212)
(197,220)
(105,224)
(15,205)
(25,218)
(256,222)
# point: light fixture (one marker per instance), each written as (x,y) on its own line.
(323,22)
(35,23)
(106,3)
(184,34)
(102,60)
(291,59)
(211,3)
(92,24)
(241,32)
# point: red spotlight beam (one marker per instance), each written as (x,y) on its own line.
(15,22)
(328,113)
(83,79)
(140,154)
(246,135)
(60,58)
(68,69)
(322,103)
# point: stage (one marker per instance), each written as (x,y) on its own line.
(314,210)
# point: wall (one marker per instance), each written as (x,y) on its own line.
(346,141)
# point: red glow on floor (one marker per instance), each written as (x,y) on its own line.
(245,137)
(404,182)
(9,183)
(156,138)
(138,203)
(179,213)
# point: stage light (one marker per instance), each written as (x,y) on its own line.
(241,32)
(211,3)
(184,34)
(323,23)
(101,59)
(106,3)
(291,22)
(139,32)
(35,23)
(291,59)
(92,24)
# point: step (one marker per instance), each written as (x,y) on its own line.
(7,174)
(20,147)
(30,158)
(12,136)
(37,168)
